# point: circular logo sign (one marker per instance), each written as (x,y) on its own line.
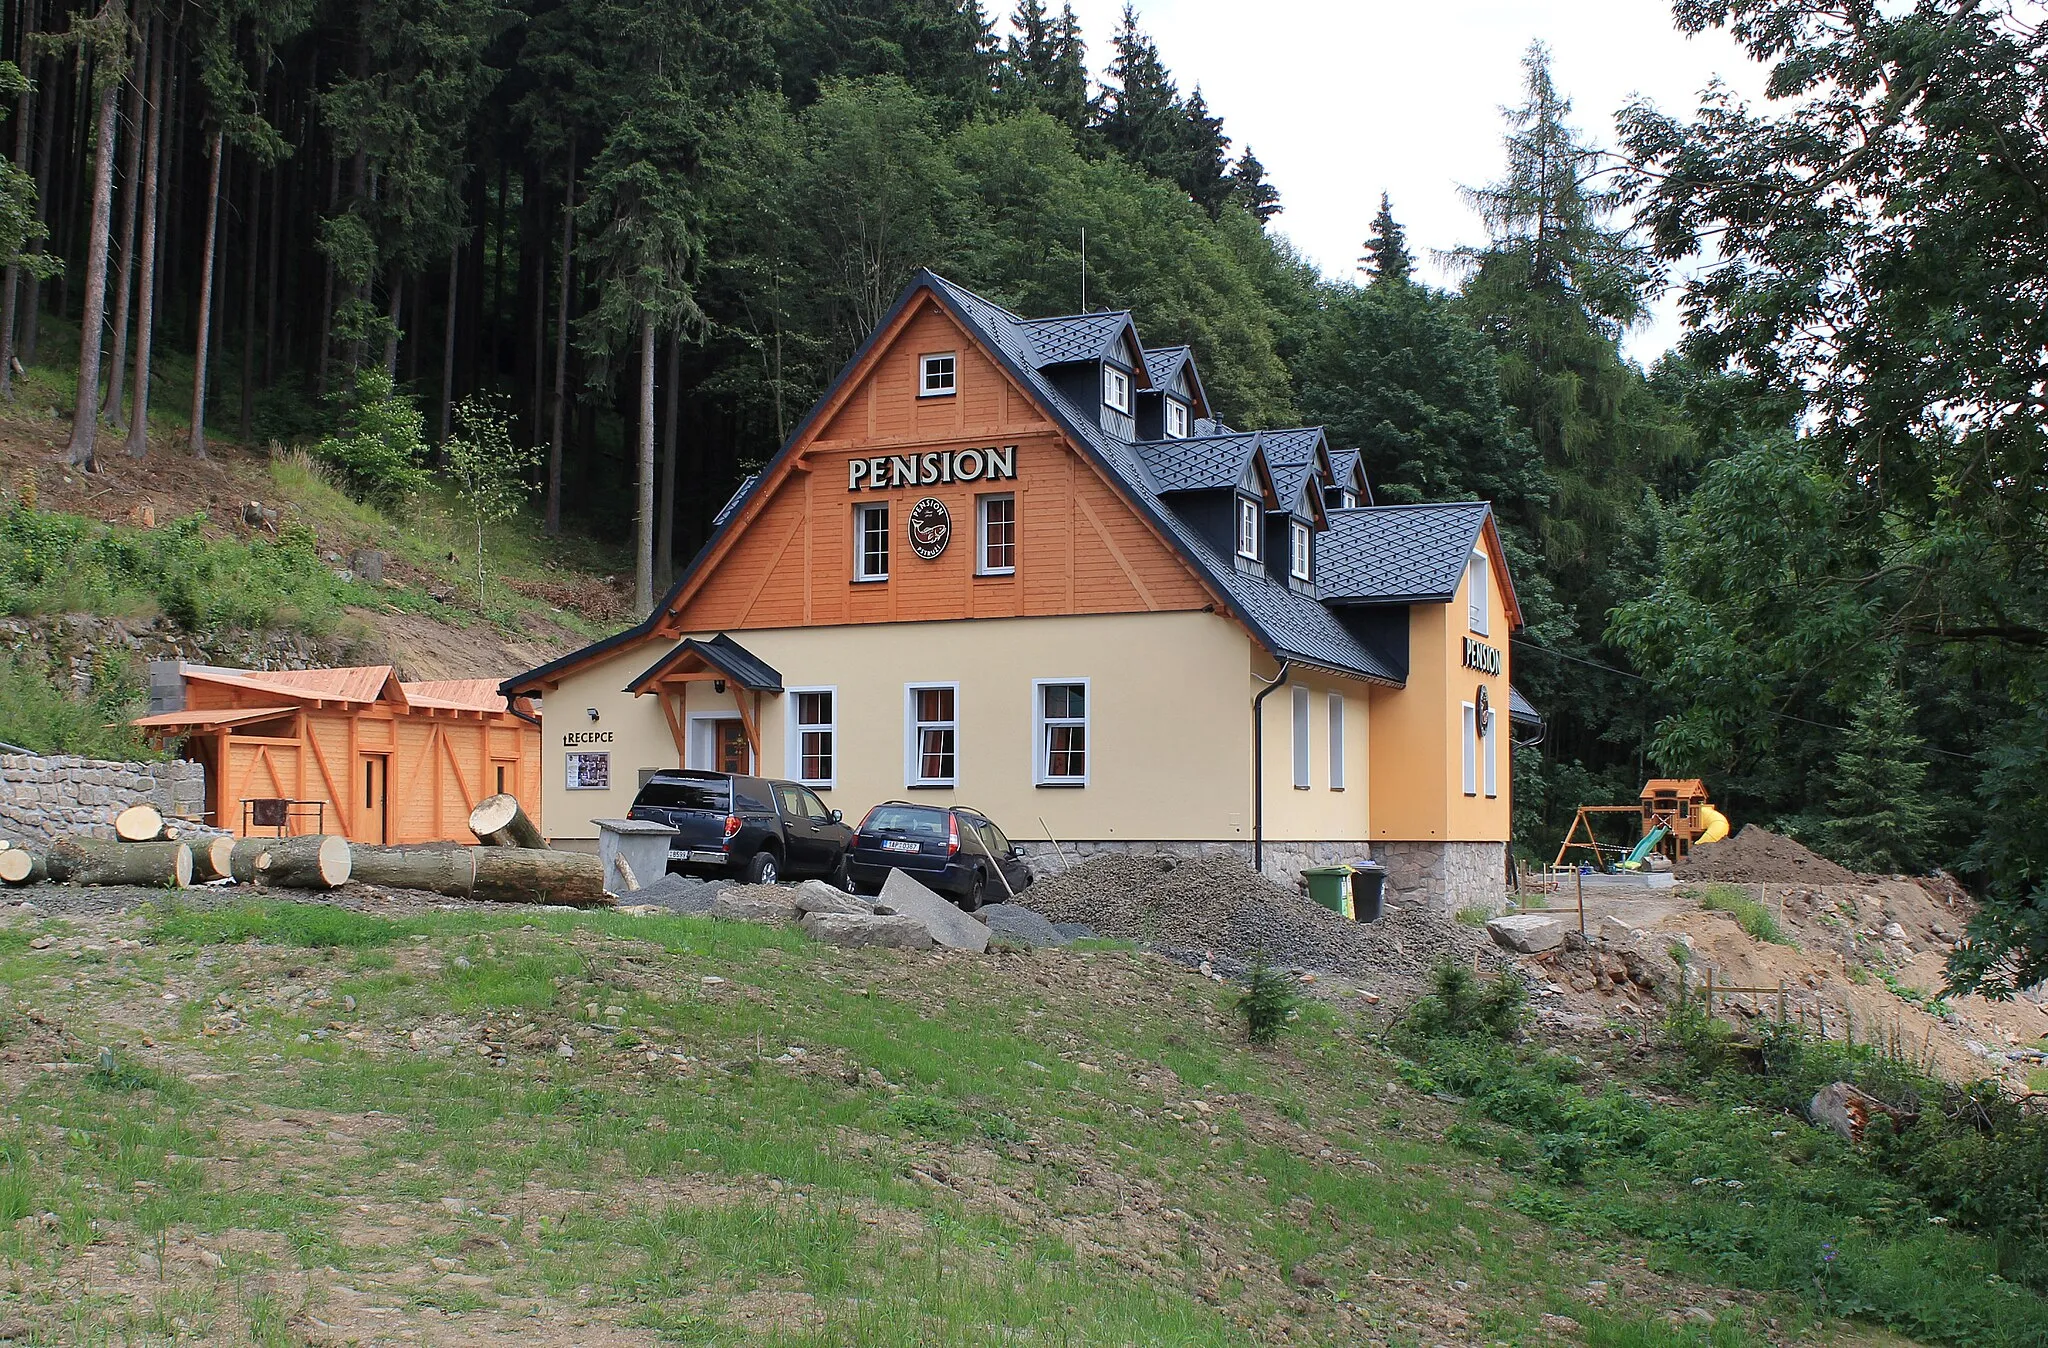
(931,528)
(1482,710)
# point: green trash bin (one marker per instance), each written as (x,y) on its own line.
(1330,886)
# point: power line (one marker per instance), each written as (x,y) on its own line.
(1776,715)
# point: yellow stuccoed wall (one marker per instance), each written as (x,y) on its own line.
(1418,731)
(1319,813)
(1169,727)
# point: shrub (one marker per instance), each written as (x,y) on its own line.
(40,716)
(381,444)
(1268,1002)
(1459,1004)
(1752,916)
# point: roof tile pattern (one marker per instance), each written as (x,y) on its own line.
(1055,341)
(1210,463)
(1392,554)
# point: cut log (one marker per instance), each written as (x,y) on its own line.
(309,861)
(91,861)
(19,866)
(139,823)
(212,858)
(499,822)
(242,860)
(537,875)
(438,870)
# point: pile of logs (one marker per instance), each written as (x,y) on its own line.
(513,864)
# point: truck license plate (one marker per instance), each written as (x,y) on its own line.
(896,845)
(714,858)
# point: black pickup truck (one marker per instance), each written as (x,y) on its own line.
(729,824)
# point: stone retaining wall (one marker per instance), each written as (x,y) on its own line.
(1285,861)
(1445,876)
(54,797)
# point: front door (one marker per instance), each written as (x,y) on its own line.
(372,777)
(729,746)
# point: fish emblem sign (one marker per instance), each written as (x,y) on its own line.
(931,528)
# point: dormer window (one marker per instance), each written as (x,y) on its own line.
(1347,500)
(1116,389)
(937,374)
(1298,545)
(1248,519)
(1476,606)
(1176,419)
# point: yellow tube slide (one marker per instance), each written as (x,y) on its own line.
(1716,825)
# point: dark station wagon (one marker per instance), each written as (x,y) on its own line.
(948,848)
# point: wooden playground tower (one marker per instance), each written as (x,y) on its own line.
(1674,814)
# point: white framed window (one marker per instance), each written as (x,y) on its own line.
(1301,769)
(1060,712)
(1116,388)
(1490,746)
(995,535)
(871,542)
(1248,521)
(814,736)
(1176,419)
(1471,750)
(1475,593)
(1298,545)
(931,715)
(1336,741)
(1347,500)
(937,374)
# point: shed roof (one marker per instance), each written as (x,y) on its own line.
(456,694)
(207,719)
(346,683)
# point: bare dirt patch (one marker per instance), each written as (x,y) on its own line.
(1756,854)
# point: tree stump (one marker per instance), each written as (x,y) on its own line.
(139,823)
(537,875)
(20,866)
(91,861)
(212,858)
(309,861)
(498,821)
(438,870)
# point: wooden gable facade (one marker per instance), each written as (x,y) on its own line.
(356,751)
(788,561)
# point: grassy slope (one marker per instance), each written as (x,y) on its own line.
(1064,1148)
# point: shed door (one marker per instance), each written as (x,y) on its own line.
(371,778)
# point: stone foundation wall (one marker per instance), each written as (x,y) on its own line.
(53,797)
(1445,876)
(1285,861)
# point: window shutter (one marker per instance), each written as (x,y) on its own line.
(1493,752)
(1336,741)
(1471,751)
(1475,593)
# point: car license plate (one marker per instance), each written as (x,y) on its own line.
(898,845)
(715,858)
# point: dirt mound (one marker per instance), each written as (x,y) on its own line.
(1757,855)
(1220,907)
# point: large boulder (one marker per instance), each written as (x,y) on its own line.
(755,903)
(948,925)
(815,896)
(1526,933)
(866,929)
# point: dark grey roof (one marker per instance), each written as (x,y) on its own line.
(723,654)
(1205,463)
(1521,708)
(1161,362)
(739,494)
(1290,625)
(1397,554)
(1349,468)
(1055,341)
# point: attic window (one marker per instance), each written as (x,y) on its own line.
(1298,550)
(1116,388)
(1248,519)
(936,375)
(1176,419)
(1347,500)
(1476,607)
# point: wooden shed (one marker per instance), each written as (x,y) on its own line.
(353,751)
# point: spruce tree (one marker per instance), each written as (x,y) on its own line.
(1044,65)
(1249,188)
(1386,248)
(1879,815)
(1143,118)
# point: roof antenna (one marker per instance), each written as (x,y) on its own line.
(1084,269)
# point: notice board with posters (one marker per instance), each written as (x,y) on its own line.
(589,771)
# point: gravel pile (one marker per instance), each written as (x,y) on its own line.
(1220,910)
(678,893)
(1758,856)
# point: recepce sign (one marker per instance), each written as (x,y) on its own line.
(933,468)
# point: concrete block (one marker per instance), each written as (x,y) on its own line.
(1527,933)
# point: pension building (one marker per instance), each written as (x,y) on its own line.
(1018,564)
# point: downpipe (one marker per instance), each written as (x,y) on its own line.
(1259,765)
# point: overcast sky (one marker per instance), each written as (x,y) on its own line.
(1344,99)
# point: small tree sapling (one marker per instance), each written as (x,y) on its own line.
(490,473)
